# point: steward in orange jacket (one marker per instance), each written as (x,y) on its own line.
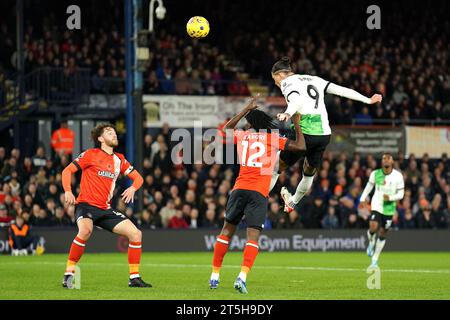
(21,239)
(63,140)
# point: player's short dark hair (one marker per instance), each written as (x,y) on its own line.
(282,65)
(259,120)
(387,154)
(98,131)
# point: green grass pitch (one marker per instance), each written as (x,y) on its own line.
(278,276)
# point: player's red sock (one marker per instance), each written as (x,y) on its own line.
(250,253)
(134,258)
(220,249)
(76,251)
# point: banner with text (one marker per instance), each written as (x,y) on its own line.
(58,240)
(367,140)
(434,141)
(183,111)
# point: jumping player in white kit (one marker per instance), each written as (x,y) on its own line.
(304,94)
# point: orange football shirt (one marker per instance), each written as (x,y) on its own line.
(100,171)
(257,154)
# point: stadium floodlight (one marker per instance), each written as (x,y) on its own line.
(160,13)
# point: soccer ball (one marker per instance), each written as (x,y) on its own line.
(197,27)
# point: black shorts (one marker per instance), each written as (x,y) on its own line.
(250,203)
(383,220)
(289,157)
(315,147)
(105,219)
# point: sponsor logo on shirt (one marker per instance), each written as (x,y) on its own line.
(107,174)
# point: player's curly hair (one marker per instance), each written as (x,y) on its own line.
(259,120)
(98,131)
(282,65)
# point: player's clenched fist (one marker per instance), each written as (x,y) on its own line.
(69,198)
(376,98)
(363,205)
(283,116)
(253,103)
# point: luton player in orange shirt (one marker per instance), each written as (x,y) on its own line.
(100,169)
(257,150)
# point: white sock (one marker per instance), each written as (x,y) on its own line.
(273,180)
(243,276)
(214,276)
(378,248)
(302,188)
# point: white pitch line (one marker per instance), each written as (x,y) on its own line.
(177,265)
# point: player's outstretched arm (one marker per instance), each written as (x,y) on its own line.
(128,194)
(352,94)
(69,198)
(235,120)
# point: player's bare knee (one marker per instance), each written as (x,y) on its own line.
(253,234)
(373,224)
(135,235)
(84,233)
(228,230)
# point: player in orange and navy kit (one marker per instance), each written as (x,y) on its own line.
(257,150)
(100,169)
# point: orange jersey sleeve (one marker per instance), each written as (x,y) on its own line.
(67,176)
(137,179)
(84,160)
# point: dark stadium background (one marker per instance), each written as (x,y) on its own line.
(409,55)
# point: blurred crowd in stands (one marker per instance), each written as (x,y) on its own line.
(195,196)
(407,61)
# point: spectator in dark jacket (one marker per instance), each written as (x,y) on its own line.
(60,219)
(330,221)
(425,219)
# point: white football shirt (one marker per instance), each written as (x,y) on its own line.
(311,91)
(391,184)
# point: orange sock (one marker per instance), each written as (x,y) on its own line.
(220,249)
(134,258)
(250,253)
(76,251)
